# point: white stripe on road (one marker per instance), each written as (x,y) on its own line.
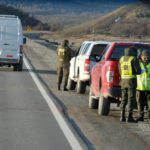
(74,143)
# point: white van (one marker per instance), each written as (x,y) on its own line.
(11,42)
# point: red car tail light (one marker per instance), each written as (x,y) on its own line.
(109,76)
(21,49)
(87,65)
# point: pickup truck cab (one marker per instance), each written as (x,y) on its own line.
(11,42)
(105,77)
(80,65)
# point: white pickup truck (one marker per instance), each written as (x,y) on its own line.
(86,57)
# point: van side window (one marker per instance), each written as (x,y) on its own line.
(11,33)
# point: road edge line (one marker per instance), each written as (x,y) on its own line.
(74,143)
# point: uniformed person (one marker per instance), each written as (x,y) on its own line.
(143,86)
(128,67)
(64,55)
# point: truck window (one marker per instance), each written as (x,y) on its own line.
(81,49)
(118,52)
(11,33)
(86,48)
(97,49)
(140,48)
(105,52)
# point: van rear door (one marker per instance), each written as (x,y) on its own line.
(10,40)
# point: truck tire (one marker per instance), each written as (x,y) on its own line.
(81,86)
(93,102)
(71,84)
(104,104)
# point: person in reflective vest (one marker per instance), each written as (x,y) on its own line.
(128,67)
(143,86)
(64,55)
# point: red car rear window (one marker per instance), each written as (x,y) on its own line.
(118,51)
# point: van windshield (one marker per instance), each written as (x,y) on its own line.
(11,33)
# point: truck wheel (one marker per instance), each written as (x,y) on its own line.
(71,84)
(81,86)
(93,103)
(104,104)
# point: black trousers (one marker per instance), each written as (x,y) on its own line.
(128,96)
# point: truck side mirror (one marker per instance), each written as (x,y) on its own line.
(24,40)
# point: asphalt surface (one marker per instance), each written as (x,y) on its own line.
(26,121)
(98,132)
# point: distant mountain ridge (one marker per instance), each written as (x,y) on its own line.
(66,6)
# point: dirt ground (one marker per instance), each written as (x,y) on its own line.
(98,132)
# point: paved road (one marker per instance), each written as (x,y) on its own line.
(26,121)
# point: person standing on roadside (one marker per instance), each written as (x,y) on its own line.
(143,86)
(128,67)
(64,55)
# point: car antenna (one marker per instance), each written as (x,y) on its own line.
(92,26)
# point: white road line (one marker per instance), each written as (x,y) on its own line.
(74,143)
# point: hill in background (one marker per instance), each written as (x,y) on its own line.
(64,13)
(130,20)
(47,7)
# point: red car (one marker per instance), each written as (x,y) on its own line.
(105,77)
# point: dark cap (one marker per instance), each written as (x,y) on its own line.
(145,53)
(65,42)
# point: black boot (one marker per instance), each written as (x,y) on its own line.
(130,118)
(58,87)
(148,118)
(65,89)
(141,118)
(123,118)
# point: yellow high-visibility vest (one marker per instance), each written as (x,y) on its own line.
(62,53)
(143,80)
(126,68)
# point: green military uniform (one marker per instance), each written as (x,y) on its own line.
(64,55)
(143,87)
(128,68)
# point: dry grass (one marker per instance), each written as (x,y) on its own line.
(99,25)
(134,21)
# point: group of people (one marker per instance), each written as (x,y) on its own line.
(135,79)
(135,84)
